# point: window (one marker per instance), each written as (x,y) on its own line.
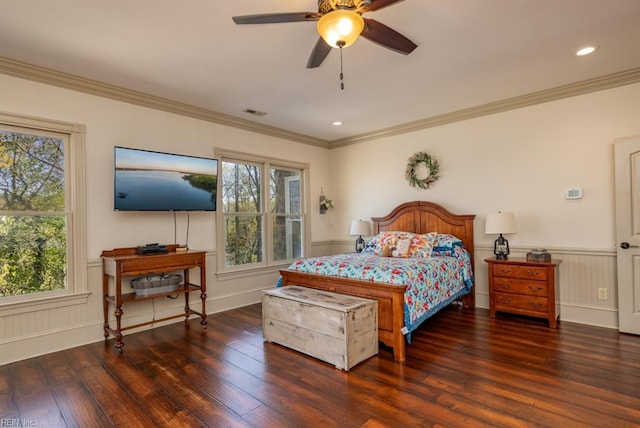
(284,204)
(41,215)
(263,211)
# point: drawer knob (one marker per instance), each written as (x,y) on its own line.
(505,270)
(532,272)
(539,288)
(535,305)
(505,300)
(504,285)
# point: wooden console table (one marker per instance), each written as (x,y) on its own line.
(124,262)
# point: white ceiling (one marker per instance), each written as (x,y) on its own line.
(470,52)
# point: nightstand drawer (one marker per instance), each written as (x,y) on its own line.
(505,270)
(505,301)
(522,272)
(520,286)
(532,272)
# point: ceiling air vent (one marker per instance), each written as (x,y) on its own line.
(254,112)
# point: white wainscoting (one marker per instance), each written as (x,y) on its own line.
(27,334)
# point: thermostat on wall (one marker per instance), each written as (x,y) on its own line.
(574,193)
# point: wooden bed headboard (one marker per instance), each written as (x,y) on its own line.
(425,217)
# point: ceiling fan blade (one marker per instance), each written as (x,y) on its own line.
(379,4)
(387,37)
(275,18)
(318,54)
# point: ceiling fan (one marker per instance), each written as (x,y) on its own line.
(340,22)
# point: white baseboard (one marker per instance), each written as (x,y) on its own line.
(599,317)
(482,301)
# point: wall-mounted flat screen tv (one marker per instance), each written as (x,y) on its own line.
(155,181)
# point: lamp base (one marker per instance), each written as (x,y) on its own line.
(501,248)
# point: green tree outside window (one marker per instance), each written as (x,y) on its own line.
(33,222)
(247,214)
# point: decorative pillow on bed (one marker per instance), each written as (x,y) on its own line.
(387,251)
(370,246)
(422,245)
(402,248)
(444,244)
(389,239)
(373,245)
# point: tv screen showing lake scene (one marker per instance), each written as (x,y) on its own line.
(154,181)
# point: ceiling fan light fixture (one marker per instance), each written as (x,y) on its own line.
(340,28)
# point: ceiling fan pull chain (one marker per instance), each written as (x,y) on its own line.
(341,73)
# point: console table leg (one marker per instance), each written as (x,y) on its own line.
(105,303)
(203,314)
(119,342)
(187,311)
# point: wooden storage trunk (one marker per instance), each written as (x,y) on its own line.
(336,328)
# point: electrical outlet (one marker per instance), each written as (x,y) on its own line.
(602,294)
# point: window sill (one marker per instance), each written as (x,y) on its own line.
(43,303)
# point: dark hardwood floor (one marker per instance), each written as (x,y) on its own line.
(463,369)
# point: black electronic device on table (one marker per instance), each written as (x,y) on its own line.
(154,248)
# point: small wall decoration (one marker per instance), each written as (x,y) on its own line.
(430,163)
(325,203)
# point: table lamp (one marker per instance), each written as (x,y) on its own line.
(359,227)
(502,224)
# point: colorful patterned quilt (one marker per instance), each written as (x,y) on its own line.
(432,282)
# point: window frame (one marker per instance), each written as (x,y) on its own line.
(265,163)
(288,214)
(76,291)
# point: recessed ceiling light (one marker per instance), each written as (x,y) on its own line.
(586,50)
(337,123)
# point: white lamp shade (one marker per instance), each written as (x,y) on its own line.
(359,227)
(497,223)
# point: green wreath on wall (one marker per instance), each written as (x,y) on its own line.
(430,163)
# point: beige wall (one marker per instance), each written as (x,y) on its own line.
(24,333)
(522,160)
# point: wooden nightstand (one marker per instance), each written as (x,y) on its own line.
(526,288)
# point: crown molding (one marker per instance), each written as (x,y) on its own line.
(571,90)
(51,77)
(44,75)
